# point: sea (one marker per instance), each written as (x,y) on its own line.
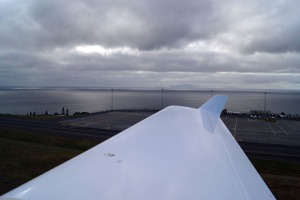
(22,101)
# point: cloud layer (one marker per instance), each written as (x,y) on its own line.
(113,43)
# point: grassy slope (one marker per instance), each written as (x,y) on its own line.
(24,156)
(21,161)
(282,178)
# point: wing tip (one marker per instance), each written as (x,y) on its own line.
(211,111)
(215,104)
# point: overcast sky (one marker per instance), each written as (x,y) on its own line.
(204,44)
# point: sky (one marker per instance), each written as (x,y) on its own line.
(190,44)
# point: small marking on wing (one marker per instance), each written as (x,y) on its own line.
(109,154)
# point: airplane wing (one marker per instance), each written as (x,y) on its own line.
(179,153)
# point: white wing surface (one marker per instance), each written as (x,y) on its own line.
(178,153)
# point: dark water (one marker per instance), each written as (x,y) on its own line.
(22,101)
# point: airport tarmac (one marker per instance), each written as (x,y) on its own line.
(115,120)
(285,132)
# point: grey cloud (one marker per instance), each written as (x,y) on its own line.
(36,39)
(270,80)
(277,43)
(50,66)
(179,61)
(25,61)
(144,25)
(280,30)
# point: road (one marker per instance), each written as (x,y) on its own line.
(53,127)
(271,151)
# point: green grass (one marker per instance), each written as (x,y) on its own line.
(22,161)
(283,178)
(277,167)
(24,156)
(283,186)
(54,140)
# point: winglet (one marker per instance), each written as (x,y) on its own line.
(215,104)
(211,111)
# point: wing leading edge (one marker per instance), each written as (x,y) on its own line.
(177,153)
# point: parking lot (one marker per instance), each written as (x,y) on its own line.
(281,131)
(116,120)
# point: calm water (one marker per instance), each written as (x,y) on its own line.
(22,101)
